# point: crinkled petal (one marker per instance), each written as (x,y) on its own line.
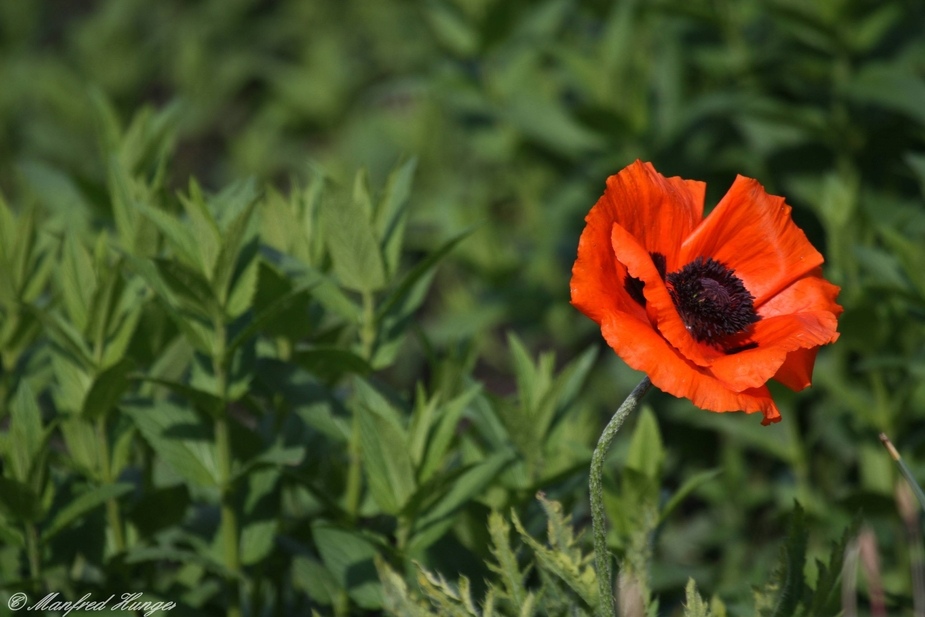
(644,349)
(598,279)
(810,293)
(753,234)
(659,305)
(659,212)
(797,370)
(775,338)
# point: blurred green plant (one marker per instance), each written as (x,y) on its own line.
(241,397)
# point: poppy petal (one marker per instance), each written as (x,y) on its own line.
(597,284)
(753,234)
(810,293)
(658,211)
(659,304)
(776,337)
(797,370)
(643,349)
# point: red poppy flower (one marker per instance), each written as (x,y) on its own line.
(710,308)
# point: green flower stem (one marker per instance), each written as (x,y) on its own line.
(602,563)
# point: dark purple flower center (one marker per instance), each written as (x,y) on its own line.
(633,285)
(712,301)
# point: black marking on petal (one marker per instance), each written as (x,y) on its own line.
(711,300)
(740,348)
(633,285)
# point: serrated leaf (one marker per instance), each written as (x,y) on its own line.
(82,504)
(440,515)
(392,214)
(349,557)
(353,245)
(384,448)
(243,287)
(66,337)
(178,437)
(310,576)
(784,591)
(323,288)
(257,540)
(205,229)
(106,390)
(394,314)
(647,452)
(179,236)
(27,435)
(233,240)
(694,606)
(197,331)
(576,574)
(191,289)
(77,281)
(265,316)
(511,576)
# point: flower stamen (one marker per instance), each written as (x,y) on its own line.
(712,301)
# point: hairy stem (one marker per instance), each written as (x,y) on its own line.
(602,563)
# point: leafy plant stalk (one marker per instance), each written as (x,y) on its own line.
(229,518)
(602,562)
(33,550)
(112,505)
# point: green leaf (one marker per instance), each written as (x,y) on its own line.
(447,420)
(19,501)
(351,239)
(177,436)
(233,241)
(66,337)
(267,315)
(349,557)
(392,214)
(331,363)
(27,436)
(385,452)
(507,568)
(694,606)
(440,515)
(189,287)
(82,504)
(205,402)
(107,389)
(310,576)
(647,452)
(323,288)
(10,536)
(196,329)
(204,228)
(395,314)
(786,588)
(689,486)
(77,281)
(181,239)
(567,565)
(257,540)
(243,287)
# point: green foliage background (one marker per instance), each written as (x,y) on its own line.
(284,294)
